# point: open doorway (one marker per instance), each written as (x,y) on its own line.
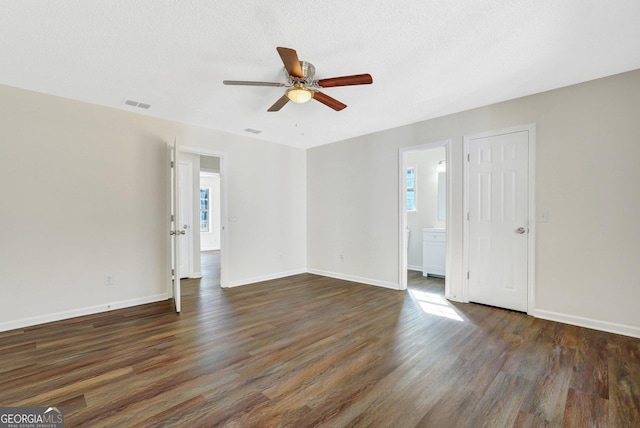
(423,206)
(209,218)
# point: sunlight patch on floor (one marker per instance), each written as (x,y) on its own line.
(435,304)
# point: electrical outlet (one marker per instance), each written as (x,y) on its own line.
(108,280)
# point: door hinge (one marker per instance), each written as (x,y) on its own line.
(467,275)
(172,217)
(468,157)
(171,164)
(467,216)
(173,272)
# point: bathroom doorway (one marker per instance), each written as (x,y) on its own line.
(423,207)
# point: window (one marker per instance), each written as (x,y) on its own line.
(411,188)
(205,224)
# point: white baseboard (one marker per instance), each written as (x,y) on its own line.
(368,281)
(196,275)
(623,329)
(59,316)
(269,277)
(626,330)
(415,268)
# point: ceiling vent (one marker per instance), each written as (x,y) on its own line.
(133,103)
(253,131)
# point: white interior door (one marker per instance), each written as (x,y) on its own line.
(185,173)
(498,219)
(175,231)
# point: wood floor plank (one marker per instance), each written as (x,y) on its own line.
(549,393)
(450,409)
(591,364)
(311,351)
(585,410)
(527,420)
(68,392)
(500,405)
(624,399)
(178,415)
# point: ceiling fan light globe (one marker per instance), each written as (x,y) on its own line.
(299,95)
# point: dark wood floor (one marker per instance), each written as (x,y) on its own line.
(313,351)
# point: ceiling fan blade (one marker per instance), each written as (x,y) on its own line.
(291,62)
(328,101)
(279,104)
(356,79)
(248,83)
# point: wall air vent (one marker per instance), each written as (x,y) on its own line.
(253,131)
(133,103)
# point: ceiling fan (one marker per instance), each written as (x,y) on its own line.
(301,85)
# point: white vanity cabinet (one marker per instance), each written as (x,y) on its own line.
(434,250)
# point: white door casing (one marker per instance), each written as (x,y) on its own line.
(174,231)
(185,172)
(500,224)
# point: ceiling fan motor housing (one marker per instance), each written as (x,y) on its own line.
(308,71)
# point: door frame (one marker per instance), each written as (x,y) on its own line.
(173,188)
(186,205)
(225,233)
(531,212)
(403,255)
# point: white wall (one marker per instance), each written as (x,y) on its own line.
(587,179)
(209,164)
(426,213)
(84,194)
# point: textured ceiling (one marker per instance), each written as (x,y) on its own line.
(427,57)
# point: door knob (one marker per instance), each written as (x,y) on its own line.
(520,230)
